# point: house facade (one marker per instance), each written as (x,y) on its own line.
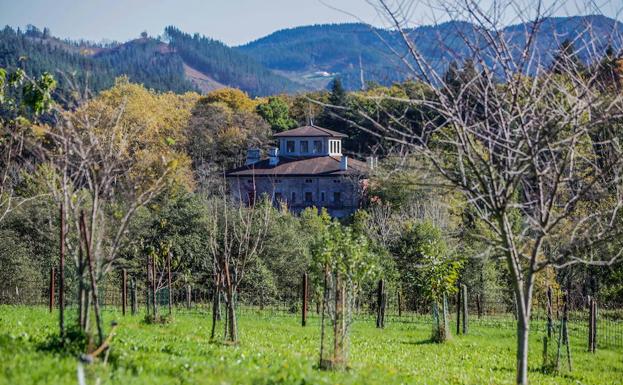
(306,169)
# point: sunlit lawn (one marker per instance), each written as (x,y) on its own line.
(277,350)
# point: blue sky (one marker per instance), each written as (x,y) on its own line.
(232,21)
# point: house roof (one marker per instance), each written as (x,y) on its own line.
(310,166)
(310,131)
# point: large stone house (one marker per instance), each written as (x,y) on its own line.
(307,169)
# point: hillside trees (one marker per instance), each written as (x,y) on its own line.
(227,66)
(223,125)
(277,113)
(525,160)
(22,101)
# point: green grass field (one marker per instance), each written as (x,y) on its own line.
(277,350)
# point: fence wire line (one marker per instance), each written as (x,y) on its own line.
(498,314)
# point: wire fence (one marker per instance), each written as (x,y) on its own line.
(186,298)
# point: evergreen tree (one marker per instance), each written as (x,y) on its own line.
(566,60)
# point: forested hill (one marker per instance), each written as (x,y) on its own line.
(184,63)
(291,60)
(226,65)
(357,51)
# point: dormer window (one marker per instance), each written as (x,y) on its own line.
(304,147)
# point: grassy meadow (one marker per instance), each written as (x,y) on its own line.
(275,349)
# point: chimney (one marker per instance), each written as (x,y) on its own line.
(273,156)
(253,156)
(344,163)
(372,162)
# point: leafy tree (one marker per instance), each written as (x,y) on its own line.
(22,102)
(219,132)
(233,98)
(429,268)
(276,112)
(346,263)
(19,274)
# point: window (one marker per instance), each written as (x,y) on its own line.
(317,146)
(337,197)
(277,180)
(322,196)
(331,145)
(290,146)
(309,181)
(308,197)
(304,147)
(336,181)
(293,200)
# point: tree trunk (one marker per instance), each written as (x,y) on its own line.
(523,331)
(96,308)
(339,332)
(523,306)
(232,333)
(215,309)
(231,317)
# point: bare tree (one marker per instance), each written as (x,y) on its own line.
(97,171)
(526,142)
(236,237)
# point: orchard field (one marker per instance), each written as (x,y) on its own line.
(275,349)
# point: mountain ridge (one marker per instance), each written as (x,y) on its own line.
(286,61)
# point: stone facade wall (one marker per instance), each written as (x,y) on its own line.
(340,195)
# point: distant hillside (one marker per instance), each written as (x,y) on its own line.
(184,63)
(358,51)
(226,65)
(290,60)
(324,51)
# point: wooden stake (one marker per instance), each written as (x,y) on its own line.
(133,303)
(465,323)
(169,283)
(61,273)
(52,290)
(124,290)
(593,327)
(458,310)
(305,295)
(550,320)
(153,287)
(188,295)
(148,286)
(380,303)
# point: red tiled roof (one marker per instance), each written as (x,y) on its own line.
(311,166)
(309,131)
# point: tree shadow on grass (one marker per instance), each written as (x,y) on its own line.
(427,341)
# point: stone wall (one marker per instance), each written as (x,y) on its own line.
(321,190)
